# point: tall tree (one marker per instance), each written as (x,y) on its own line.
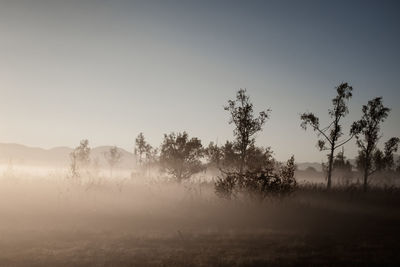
(113,157)
(329,136)
(367,131)
(246,124)
(180,156)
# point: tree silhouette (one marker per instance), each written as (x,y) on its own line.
(180,156)
(391,146)
(330,135)
(366,130)
(246,124)
(113,157)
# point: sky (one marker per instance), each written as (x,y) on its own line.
(107,70)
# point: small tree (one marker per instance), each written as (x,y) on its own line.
(140,147)
(246,124)
(259,159)
(342,168)
(113,157)
(330,135)
(151,155)
(230,158)
(398,165)
(180,156)
(80,157)
(214,155)
(366,130)
(340,162)
(391,146)
(260,184)
(83,153)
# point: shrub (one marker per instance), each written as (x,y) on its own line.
(261,184)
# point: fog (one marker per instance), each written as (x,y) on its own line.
(53,220)
(199,133)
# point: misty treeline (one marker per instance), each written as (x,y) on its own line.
(239,166)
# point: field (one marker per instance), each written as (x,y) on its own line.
(50,221)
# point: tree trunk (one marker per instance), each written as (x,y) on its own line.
(242,160)
(366,170)
(330,167)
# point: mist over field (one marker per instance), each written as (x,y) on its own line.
(199,133)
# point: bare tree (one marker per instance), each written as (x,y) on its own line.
(246,124)
(330,135)
(113,157)
(180,156)
(366,130)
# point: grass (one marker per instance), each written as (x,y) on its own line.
(50,222)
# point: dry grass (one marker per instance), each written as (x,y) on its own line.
(52,222)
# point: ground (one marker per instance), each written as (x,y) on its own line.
(58,223)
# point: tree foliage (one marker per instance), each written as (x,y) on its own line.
(180,156)
(366,130)
(260,184)
(246,123)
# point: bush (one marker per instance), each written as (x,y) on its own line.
(261,184)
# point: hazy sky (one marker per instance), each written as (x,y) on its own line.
(107,70)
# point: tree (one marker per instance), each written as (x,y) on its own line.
(330,135)
(180,156)
(146,153)
(230,158)
(151,155)
(342,168)
(80,157)
(140,147)
(391,146)
(260,184)
(246,124)
(366,130)
(113,157)
(214,155)
(340,163)
(259,159)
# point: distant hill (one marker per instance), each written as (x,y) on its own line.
(318,166)
(304,165)
(58,156)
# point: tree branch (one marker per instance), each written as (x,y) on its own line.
(351,137)
(327,138)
